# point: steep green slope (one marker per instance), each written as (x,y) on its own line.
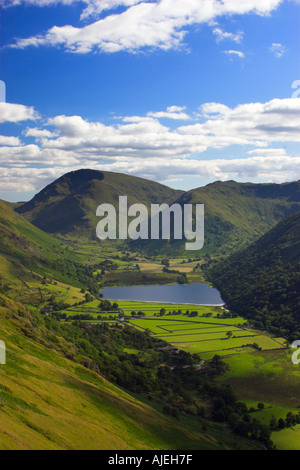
(262,282)
(50,402)
(27,254)
(68,205)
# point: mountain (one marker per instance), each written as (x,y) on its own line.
(235,213)
(68,205)
(262,282)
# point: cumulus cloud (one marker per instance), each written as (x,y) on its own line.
(144,146)
(9,141)
(276,169)
(160,24)
(11,112)
(172,112)
(38,133)
(218,126)
(277,120)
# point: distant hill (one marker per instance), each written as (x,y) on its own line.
(235,213)
(262,282)
(68,205)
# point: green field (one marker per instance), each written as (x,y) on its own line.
(261,373)
(287,439)
(205,333)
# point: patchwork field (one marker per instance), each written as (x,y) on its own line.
(260,367)
(193,328)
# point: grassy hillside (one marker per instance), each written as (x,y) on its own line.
(68,205)
(29,255)
(235,213)
(262,282)
(51,402)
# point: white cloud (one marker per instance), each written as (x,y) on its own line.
(142,145)
(158,24)
(268,152)
(9,141)
(239,54)
(277,120)
(277,49)
(276,169)
(227,36)
(143,137)
(173,112)
(11,112)
(38,133)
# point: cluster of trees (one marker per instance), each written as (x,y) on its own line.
(138,314)
(106,305)
(162,312)
(291,420)
(226,409)
(53,306)
(106,265)
(76,273)
(227,314)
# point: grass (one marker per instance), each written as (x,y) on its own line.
(287,439)
(49,402)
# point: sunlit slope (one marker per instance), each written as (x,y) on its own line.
(50,402)
(236,214)
(27,254)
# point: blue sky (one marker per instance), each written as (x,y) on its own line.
(184,93)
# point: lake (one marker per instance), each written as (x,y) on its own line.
(197,293)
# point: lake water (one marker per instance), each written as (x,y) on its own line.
(198,293)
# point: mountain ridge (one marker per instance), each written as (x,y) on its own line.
(235,213)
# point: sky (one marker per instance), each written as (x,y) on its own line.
(181,92)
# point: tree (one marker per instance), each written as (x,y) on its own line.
(273,423)
(281,423)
